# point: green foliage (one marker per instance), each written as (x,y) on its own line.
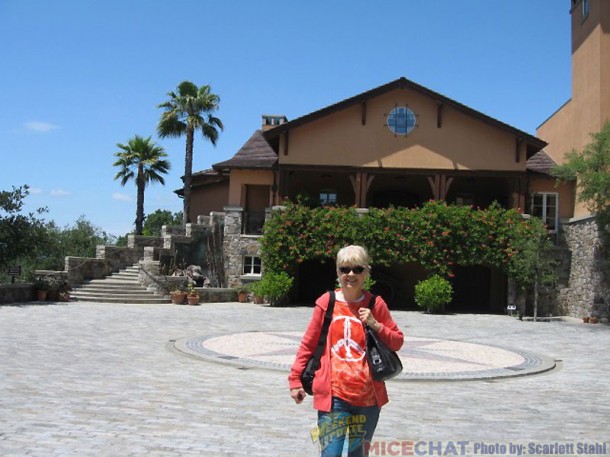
(433,293)
(36,245)
(156,220)
(190,110)
(437,236)
(591,170)
(20,233)
(142,161)
(273,286)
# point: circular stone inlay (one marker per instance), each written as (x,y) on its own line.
(422,358)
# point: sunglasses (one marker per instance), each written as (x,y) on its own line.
(346,270)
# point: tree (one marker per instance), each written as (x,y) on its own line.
(19,233)
(189,110)
(591,170)
(143,161)
(154,221)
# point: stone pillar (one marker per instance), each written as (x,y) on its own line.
(232,234)
(588,282)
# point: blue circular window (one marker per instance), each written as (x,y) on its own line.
(401,120)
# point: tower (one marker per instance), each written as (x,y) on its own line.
(587,111)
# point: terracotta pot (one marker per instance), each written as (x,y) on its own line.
(41,295)
(192,299)
(178,299)
(585,319)
(593,320)
(242,297)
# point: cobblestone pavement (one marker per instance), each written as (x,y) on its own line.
(102,380)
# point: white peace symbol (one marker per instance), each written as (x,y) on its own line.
(347,342)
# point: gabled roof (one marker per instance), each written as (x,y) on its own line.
(540,162)
(255,153)
(534,143)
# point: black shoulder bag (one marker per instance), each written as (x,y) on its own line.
(310,369)
(384,364)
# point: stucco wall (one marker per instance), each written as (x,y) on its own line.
(462,143)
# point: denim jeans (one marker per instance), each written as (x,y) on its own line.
(357,422)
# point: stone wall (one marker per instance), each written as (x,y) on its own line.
(236,245)
(16,293)
(587,292)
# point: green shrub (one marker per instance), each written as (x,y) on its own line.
(433,293)
(273,286)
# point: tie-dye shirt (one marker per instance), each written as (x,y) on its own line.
(350,375)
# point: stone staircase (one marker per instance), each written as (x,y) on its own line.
(121,287)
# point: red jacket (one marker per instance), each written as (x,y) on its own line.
(389,333)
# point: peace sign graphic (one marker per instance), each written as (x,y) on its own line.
(346,348)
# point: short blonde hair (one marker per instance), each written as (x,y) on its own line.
(353,255)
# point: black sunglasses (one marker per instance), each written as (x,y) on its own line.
(346,270)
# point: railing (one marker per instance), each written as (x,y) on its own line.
(253,223)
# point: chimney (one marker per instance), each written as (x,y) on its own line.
(272,120)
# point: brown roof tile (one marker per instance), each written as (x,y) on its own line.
(255,153)
(541,163)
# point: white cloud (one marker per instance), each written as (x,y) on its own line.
(59,193)
(40,127)
(121,197)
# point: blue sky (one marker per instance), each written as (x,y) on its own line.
(79,76)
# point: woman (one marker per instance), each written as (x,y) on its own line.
(346,396)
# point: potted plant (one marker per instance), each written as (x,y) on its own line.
(41,286)
(257,292)
(433,294)
(54,287)
(178,295)
(64,292)
(192,297)
(242,293)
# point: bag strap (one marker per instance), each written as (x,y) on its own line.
(327,318)
(372,302)
(370,306)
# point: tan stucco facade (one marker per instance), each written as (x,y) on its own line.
(588,110)
(456,141)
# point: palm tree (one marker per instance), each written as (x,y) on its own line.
(143,161)
(190,110)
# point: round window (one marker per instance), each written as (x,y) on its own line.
(401,120)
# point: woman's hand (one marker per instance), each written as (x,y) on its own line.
(366,317)
(298,395)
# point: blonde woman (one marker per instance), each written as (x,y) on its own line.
(345,394)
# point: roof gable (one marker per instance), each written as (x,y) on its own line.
(534,144)
(255,153)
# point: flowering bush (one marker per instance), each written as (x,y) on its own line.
(437,236)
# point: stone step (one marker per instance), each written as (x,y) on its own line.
(119,287)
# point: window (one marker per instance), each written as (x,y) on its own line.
(585,9)
(545,206)
(464,200)
(328,197)
(401,120)
(252,265)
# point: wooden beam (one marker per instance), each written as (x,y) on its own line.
(518,150)
(363,110)
(439,115)
(286,137)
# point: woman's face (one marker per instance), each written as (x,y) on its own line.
(352,276)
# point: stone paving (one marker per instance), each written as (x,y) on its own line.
(89,379)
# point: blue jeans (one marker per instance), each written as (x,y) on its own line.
(357,422)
